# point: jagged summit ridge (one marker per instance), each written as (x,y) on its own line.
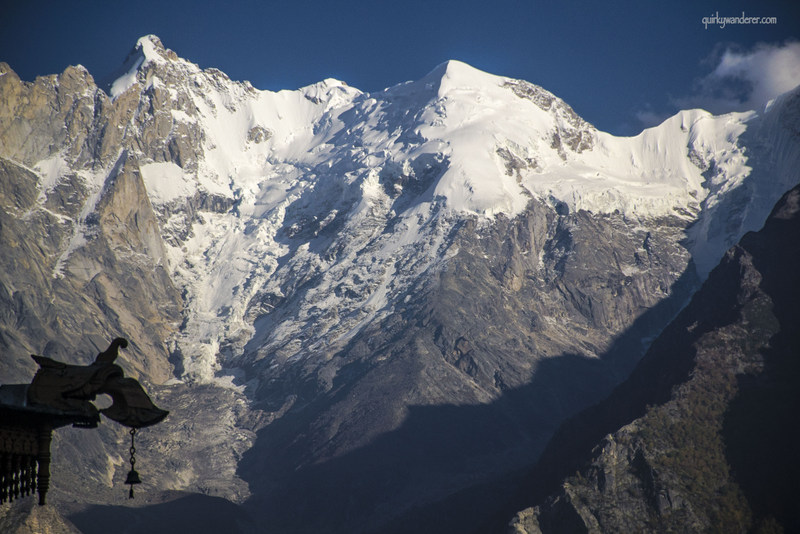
(286,178)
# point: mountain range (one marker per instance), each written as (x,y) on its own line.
(365,312)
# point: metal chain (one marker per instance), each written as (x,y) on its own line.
(133,459)
(133,448)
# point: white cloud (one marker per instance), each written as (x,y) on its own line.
(747,80)
(741,80)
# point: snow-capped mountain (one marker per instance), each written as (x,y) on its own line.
(330,261)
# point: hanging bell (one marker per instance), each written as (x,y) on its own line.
(133,478)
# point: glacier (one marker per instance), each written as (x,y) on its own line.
(466,142)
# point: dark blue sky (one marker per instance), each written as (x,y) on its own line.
(615,63)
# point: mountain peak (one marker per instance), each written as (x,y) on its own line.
(454,68)
(151,47)
(148,50)
(454,74)
(330,91)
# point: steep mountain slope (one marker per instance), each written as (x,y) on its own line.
(407,289)
(701,437)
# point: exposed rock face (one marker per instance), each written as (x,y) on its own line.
(573,130)
(26,517)
(465,342)
(86,254)
(58,300)
(84,261)
(330,289)
(708,414)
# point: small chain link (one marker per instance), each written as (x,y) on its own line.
(133,460)
(133,448)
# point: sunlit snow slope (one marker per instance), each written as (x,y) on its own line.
(324,204)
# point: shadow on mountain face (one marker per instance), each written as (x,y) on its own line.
(446,468)
(762,437)
(437,451)
(198,514)
(760,428)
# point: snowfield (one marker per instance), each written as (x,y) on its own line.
(336,200)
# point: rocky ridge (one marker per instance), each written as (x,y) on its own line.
(707,449)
